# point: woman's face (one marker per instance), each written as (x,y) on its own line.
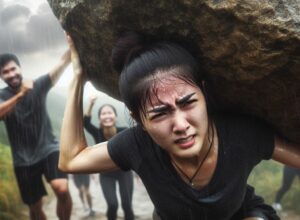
(107,117)
(176,118)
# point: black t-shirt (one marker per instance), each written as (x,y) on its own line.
(98,136)
(243,143)
(28,125)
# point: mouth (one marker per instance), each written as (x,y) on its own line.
(14,81)
(107,121)
(186,142)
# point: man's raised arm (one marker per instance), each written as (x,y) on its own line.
(57,71)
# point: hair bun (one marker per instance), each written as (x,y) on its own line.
(122,52)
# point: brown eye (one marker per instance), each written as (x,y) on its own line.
(157,115)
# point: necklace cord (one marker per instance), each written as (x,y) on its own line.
(190,179)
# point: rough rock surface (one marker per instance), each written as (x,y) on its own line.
(250,48)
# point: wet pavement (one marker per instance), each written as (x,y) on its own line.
(142,205)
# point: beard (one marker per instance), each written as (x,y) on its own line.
(15,85)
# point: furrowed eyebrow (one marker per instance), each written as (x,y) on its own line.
(185,98)
(159,109)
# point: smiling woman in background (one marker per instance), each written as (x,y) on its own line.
(193,163)
(107,116)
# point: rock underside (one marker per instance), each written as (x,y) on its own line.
(249,49)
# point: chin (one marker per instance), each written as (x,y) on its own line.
(108,125)
(187,153)
(195,151)
(16,86)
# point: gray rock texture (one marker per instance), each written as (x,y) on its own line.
(250,49)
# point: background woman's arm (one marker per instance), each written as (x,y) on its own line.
(91,105)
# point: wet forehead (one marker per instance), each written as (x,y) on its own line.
(9,65)
(168,91)
(107,109)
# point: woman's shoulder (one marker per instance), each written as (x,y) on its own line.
(135,130)
(133,137)
(241,124)
(237,119)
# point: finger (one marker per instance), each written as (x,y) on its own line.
(68,38)
(71,45)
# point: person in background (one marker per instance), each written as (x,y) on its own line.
(289,174)
(82,182)
(193,161)
(107,116)
(35,149)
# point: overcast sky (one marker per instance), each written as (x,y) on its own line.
(29,29)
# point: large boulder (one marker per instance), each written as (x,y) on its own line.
(250,48)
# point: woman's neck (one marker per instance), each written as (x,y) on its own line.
(198,170)
(211,140)
(109,132)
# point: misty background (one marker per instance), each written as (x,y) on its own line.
(29,29)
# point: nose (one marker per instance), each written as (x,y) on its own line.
(11,74)
(180,122)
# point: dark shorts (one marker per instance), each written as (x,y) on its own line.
(30,181)
(81,180)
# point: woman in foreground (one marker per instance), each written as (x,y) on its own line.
(193,164)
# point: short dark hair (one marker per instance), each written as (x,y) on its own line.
(6,58)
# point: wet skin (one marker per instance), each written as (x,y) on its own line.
(177,118)
(11,74)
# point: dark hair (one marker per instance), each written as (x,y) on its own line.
(6,58)
(109,105)
(138,61)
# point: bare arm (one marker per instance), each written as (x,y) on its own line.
(7,106)
(75,156)
(57,71)
(286,153)
(91,105)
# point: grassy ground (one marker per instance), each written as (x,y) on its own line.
(267,177)
(11,205)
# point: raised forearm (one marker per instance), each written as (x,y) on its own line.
(287,153)
(72,138)
(7,106)
(57,71)
(89,110)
